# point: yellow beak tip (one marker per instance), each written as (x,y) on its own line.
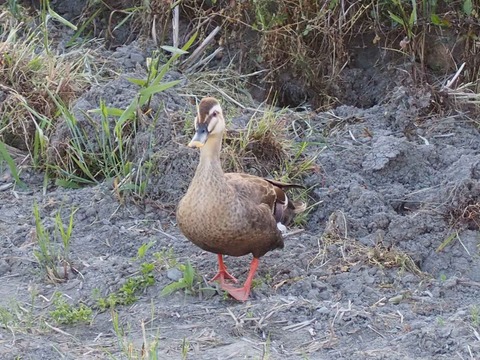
(195,144)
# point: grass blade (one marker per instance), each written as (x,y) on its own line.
(4,154)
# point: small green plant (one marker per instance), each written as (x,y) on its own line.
(403,19)
(257,282)
(185,348)
(103,148)
(64,313)
(128,292)
(5,156)
(142,250)
(443,277)
(187,283)
(48,254)
(64,234)
(268,14)
(166,258)
(475,316)
(149,349)
(6,317)
(46,14)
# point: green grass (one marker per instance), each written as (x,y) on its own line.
(188,282)
(67,314)
(165,258)
(108,152)
(53,249)
(127,345)
(5,156)
(128,293)
(475,316)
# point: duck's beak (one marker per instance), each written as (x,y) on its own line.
(200,137)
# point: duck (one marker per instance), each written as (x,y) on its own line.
(232,214)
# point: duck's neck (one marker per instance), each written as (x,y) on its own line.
(210,152)
(210,166)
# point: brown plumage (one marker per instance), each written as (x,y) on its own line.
(231,214)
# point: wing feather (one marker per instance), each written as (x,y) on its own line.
(266,191)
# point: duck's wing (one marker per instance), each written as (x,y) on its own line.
(258,190)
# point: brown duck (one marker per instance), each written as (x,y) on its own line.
(231,214)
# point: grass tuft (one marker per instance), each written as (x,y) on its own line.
(53,252)
(127,294)
(64,313)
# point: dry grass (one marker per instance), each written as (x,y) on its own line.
(303,46)
(353,252)
(30,79)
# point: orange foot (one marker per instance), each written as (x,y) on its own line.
(222,273)
(240,294)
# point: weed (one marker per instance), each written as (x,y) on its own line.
(185,348)
(5,156)
(48,255)
(149,349)
(128,292)
(188,283)
(440,321)
(166,258)
(142,250)
(102,146)
(263,144)
(28,73)
(64,313)
(475,316)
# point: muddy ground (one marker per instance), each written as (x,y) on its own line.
(366,279)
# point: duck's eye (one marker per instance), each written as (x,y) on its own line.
(214,113)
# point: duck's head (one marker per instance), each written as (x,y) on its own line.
(208,122)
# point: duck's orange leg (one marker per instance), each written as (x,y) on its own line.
(222,273)
(241,294)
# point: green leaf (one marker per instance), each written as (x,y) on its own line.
(171,288)
(67,184)
(57,17)
(190,42)
(468,7)
(83,27)
(142,250)
(189,274)
(140,82)
(396,18)
(413,15)
(437,20)
(174,50)
(4,154)
(158,88)
(108,111)
(127,114)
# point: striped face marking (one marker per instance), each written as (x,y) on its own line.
(209,111)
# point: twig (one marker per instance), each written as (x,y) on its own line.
(296,327)
(224,94)
(233,317)
(175,25)
(165,234)
(58,330)
(293,232)
(202,46)
(204,61)
(376,331)
(457,74)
